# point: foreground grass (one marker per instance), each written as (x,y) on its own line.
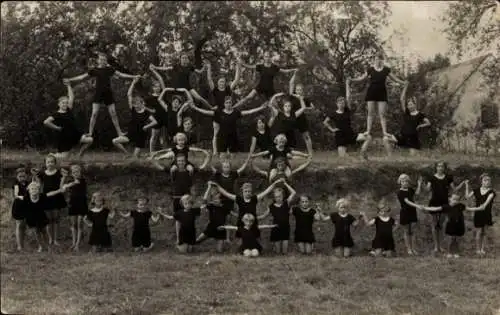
(159,283)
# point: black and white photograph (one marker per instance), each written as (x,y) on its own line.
(250,157)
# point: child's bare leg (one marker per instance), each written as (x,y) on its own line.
(478,241)
(55,226)
(435,233)
(93,117)
(216,127)
(364,147)
(347,252)
(387,145)
(308,248)
(483,237)
(406,237)
(114,119)
(119,142)
(49,233)
(86,142)
(154,138)
(220,246)
(284,248)
(308,141)
(39,239)
(382,111)
(20,234)
(370,105)
(136,153)
(342,151)
(74,231)
(79,230)
(302,248)
(276,246)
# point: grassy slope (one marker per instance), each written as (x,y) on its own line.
(163,281)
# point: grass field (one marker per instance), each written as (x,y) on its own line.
(165,282)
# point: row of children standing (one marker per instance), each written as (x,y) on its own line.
(37,205)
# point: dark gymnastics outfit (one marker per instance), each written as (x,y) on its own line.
(408,214)
(244,208)
(301,124)
(275,154)
(455,226)
(377,90)
(138,137)
(265,86)
(286,125)
(187,219)
(34,212)
(160,114)
(384,238)
(342,236)
(103,93)
(70,135)
(182,182)
(439,196)
(304,221)
(249,239)
(408,138)
(18,206)
(345,135)
(99,235)
(228,183)
(483,218)
(281,217)
(78,203)
(141,234)
(217,216)
(218,96)
(52,183)
(227,138)
(264,141)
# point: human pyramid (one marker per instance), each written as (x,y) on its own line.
(38,201)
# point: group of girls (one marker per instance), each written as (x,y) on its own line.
(39,200)
(156,112)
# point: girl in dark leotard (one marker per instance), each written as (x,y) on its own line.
(282,170)
(185,219)
(342,220)
(286,119)
(63,122)
(103,92)
(219,94)
(160,110)
(182,73)
(413,121)
(228,119)
(383,243)
(267,70)
(440,185)
(261,138)
(34,205)
(140,122)
(302,124)
(344,134)
(77,205)
(455,225)
(482,219)
(377,92)
(18,211)
(217,216)
(141,234)
(305,216)
(52,179)
(250,234)
(408,214)
(247,201)
(280,209)
(280,150)
(98,219)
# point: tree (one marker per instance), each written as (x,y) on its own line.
(471,25)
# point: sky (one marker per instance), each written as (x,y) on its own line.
(420,19)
